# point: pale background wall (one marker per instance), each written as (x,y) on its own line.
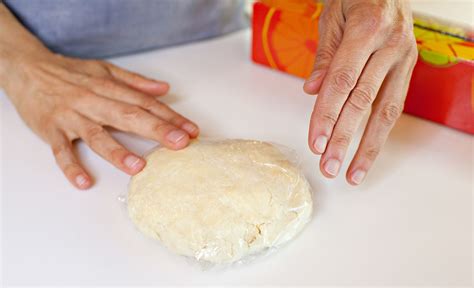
(438,8)
(460,11)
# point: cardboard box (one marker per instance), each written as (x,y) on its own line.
(285,37)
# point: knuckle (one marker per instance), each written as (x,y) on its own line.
(323,56)
(341,139)
(94,133)
(177,120)
(344,79)
(390,113)
(322,23)
(105,82)
(98,67)
(169,114)
(369,19)
(406,30)
(402,35)
(129,75)
(48,121)
(134,76)
(328,117)
(132,113)
(324,15)
(71,169)
(150,104)
(161,127)
(327,16)
(60,149)
(58,115)
(375,21)
(362,97)
(371,153)
(115,155)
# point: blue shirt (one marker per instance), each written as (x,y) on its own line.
(103,28)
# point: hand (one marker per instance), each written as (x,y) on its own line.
(365,58)
(64,99)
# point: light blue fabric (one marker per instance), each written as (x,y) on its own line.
(103,28)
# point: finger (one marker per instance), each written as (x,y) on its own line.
(117,91)
(68,162)
(166,113)
(355,108)
(330,34)
(139,82)
(100,141)
(386,110)
(132,119)
(341,78)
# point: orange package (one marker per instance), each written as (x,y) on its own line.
(285,37)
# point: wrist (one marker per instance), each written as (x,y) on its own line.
(16,45)
(14,60)
(5,66)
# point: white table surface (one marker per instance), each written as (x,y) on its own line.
(410,223)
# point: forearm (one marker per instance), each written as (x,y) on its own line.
(16,43)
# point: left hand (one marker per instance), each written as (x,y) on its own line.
(365,58)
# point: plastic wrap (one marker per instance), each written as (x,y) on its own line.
(220,201)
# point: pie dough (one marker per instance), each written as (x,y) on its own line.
(220,201)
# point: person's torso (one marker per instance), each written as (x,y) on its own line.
(102,28)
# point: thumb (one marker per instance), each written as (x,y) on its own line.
(330,35)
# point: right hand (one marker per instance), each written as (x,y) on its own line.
(63,99)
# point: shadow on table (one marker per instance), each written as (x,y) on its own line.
(409,136)
(169,99)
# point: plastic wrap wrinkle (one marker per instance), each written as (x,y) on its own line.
(221,201)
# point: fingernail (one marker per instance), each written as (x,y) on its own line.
(81,180)
(175,136)
(332,166)
(132,162)
(311,86)
(154,84)
(320,144)
(358,176)
(189,127)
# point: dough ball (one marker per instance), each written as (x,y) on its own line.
(219,201)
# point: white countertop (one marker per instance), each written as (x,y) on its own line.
(410,223)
